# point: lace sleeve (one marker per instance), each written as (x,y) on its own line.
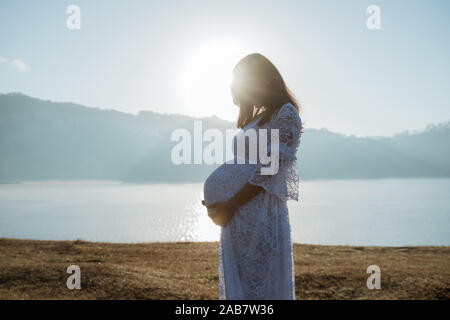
(283,183)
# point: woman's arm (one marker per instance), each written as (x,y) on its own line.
(226,210)
(248,192)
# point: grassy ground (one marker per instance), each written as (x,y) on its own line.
(37,270)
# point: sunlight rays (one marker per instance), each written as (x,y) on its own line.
(206,78)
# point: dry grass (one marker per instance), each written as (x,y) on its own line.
(37,270)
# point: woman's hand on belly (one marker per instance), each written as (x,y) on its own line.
(223,212)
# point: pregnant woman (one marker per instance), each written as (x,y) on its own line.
(255,254)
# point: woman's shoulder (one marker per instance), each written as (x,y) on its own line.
(288,112)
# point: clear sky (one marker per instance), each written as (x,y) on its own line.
(176,57)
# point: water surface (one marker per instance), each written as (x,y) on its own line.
(391,212)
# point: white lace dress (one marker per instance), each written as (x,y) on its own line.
(255,254)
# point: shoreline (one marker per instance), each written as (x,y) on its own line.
(80,240)
(36,269)
(169,182)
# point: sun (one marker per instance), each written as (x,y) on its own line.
(206,78)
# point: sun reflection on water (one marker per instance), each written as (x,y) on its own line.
(200,227)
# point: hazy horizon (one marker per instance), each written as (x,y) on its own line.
(48,140)
(136,113)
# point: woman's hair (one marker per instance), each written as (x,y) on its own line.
(258,87)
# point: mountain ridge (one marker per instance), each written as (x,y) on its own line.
(45,140)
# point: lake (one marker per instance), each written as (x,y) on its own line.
(388,212)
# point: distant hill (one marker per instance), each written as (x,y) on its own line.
(44,140)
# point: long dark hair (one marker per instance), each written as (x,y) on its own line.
(259,89)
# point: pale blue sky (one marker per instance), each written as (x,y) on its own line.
(144,55)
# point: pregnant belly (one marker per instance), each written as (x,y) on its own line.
(224,182)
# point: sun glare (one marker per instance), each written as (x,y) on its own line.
(206,78)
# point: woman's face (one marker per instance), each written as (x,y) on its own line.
(243,96)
